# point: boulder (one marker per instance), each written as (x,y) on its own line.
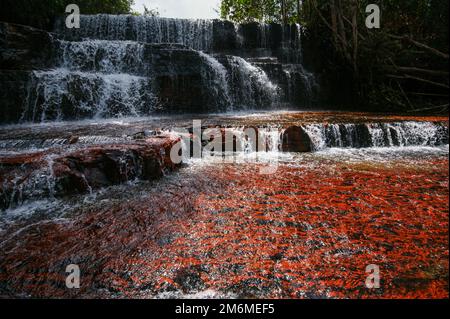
(295,139)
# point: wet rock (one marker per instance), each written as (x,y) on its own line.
(363,136)
(189,279)
(295,139)
(104,166)
(224,36)
(24,48)
(58,174)
(13,94)
(124,235)
(73,140)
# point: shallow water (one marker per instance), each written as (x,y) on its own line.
(236,225)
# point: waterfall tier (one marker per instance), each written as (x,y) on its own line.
(317,137)
(60,94)
(251,39)
(116,66)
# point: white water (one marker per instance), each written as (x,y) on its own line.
(196,34)
(57,94)
(294,73)
(101,56)
(217,81)
(250,84)
(399,134)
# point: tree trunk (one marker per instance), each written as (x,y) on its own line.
(283,11)
(355,37)
(334,22)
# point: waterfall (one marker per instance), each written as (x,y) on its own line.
(125,65)
(249,84)
(59,94)
(300,85)
(248,140)
(196,34)
(216,81)
(377,135)
(101,56)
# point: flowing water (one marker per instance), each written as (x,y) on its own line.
(247,221)
(196,34)
(115,66)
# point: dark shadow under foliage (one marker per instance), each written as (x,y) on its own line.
(401,67)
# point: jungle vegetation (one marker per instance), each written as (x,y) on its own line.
(402,66)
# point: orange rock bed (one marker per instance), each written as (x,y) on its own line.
(305,232)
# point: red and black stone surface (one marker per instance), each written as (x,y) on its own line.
(307,231)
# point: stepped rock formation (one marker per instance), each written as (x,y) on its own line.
(117,66)
(57,172)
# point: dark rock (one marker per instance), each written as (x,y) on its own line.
(183,80)
(396,138)
(73,140)
(189,280)
(224,36)
(13,93)
(24,48)
(363,136)
(295,139)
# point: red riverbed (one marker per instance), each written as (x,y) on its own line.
(308,231)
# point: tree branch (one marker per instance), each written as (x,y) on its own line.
(421,45)
(418,79)
(420,70)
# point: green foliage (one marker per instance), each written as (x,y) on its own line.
(260,10)
(402,66)
(41,13)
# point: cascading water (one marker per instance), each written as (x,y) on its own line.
(196,34)
(299,84)
(377,135)
(60,94)
(250,85)
(102,56)
(70,188)
(216,80)
(115,66)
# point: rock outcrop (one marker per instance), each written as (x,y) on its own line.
(56,173)
(13,94)
(24,48)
